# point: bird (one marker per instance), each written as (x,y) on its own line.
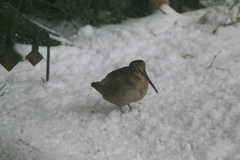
(125,85)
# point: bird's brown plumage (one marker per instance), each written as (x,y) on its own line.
(124,85)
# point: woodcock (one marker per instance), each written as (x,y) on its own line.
(125,85)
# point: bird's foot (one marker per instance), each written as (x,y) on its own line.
(130,107)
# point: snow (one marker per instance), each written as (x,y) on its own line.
(195,116)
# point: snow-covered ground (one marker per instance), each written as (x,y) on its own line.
(195,116)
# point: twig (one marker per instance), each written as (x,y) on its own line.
(224,69)
(2,87)
(213,60)
(43,80)
(162,11)
(225,24)
(215,30)
(231,23)
(235,3)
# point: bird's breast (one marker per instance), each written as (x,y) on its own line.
(129,92)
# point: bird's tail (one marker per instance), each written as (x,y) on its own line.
(98,87)
(94,85)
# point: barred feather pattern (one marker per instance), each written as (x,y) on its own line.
(128,94)
(125,85)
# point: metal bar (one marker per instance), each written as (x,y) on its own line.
(48,58)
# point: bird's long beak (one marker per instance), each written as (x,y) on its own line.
(144,73)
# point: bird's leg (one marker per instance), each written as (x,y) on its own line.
(130,107)
(120,110)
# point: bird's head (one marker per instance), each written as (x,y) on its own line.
(138,69)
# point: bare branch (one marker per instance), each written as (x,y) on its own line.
(215,30)
(162,11)
(224,69)
(231,23)
(43,80)
(213,60)
(235,3)
(2,87)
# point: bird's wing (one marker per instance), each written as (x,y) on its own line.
(112,82)
(118,73)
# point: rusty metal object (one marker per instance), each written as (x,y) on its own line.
(34,57)
(10,57)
